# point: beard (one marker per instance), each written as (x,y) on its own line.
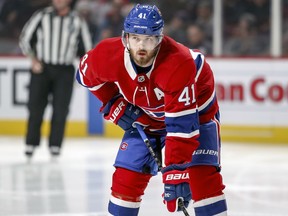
(143,58)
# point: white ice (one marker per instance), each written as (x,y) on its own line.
(78,183)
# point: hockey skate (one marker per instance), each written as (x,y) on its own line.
(54,151)
(29,151)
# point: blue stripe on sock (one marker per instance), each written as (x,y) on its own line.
(211,209)
(117,210)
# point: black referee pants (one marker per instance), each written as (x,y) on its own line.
(55,85)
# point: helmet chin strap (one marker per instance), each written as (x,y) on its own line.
(127,42)
(157,47)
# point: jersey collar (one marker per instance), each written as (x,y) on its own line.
(129,66)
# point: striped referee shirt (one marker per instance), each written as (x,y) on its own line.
(55,39)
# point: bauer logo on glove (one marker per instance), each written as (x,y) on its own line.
(176,187)
(117,111)
(177,176)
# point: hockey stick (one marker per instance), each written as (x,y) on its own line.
(148,145)
(182,207)
(159,163)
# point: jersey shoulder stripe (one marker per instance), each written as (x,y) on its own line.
(199,62)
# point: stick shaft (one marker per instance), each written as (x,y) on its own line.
(148,145)
(182,207)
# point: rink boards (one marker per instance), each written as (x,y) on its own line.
(252,93)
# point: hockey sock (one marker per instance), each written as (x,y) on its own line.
(207,191)
(127,188)
(211,206)
(118,207)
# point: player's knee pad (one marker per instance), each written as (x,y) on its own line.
(127,188)
(205,182)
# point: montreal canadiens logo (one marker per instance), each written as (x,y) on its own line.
(124,146)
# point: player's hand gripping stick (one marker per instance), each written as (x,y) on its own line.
(177,192)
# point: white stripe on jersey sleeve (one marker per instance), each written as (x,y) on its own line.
(181,113)
(183,135)
(95,88)
(203,106)
(81,81)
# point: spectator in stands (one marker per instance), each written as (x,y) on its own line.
(245,40)
(232,11)
(285,44)
(261,10)
(204,17)
(113,19)
(177,26)
(85,10)
(13,15)
(104,17)
(196,39)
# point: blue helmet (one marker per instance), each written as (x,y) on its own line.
(144,19)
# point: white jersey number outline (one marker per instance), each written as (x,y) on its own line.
(83,70)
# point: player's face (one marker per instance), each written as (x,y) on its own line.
(142,48)
(61,4)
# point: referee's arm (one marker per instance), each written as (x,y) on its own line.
(28,37)
(85,39)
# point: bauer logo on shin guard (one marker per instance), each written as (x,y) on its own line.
(180,176)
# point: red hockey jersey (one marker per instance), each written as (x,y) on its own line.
(178,90)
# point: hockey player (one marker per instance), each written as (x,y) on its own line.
(168,89)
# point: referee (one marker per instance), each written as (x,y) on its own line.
(52,38)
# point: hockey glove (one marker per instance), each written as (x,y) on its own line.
(121,112)
(176,186)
